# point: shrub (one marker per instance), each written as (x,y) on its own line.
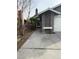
(33,22)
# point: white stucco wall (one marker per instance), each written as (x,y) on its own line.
(57,23)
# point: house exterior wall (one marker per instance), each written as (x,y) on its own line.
(57,23)
(47,21)
(43,22)
(52,20)
(58,8)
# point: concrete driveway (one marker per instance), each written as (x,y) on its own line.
(41,46)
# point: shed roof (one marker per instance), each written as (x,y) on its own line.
(51,9)
(57,12)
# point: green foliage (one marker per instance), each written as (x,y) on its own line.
(33,20)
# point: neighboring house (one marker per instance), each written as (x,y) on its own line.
(49,20)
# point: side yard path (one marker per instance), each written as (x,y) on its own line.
(41,46)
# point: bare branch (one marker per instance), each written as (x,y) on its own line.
(24,5)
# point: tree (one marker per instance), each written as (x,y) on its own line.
(23,5)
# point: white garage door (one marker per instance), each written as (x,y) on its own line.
(57,23)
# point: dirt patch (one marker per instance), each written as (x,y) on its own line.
(22,39)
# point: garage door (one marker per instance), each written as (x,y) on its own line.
(57,23)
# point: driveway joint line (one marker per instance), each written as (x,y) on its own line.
(42,48)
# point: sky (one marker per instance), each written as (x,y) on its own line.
(41,5)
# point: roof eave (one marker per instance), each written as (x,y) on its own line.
(57,6)
(55,11)
(50,10)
